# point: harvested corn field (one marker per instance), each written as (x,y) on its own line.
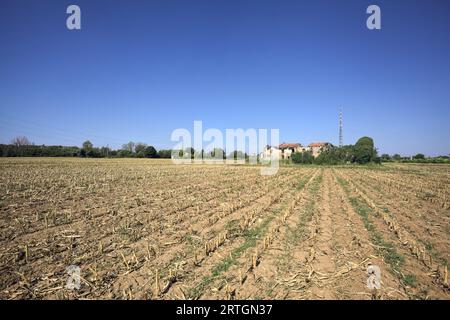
(148,229)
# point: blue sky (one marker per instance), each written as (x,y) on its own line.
(140,69)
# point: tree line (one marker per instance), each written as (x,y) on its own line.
(21,147)
(362,152)
(418,158)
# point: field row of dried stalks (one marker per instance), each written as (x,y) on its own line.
(148,229)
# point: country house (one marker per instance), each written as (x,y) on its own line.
(286,150)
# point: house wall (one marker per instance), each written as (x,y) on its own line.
(315,151)
(288,152)
(267,153)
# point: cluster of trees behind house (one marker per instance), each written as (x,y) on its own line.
(362,152)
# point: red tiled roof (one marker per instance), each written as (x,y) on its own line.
(289,145)
(317,144)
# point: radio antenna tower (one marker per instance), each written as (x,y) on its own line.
(341,137)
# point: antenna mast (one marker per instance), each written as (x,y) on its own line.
(341,137)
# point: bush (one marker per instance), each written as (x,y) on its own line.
(302,157)
(165,154)
(124,153)
(297,157)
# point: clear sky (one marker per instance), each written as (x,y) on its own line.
(137,70)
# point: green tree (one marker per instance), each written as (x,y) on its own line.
(140,147)
(385,157)
(105,151)
(94,153)
(87,146)
(397,157)
(297,157)
(86,150)
(124,153)
(419,156)
(150,152)
(331,155)
(305,157)
(364,151)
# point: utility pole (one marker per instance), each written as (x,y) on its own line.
(341,136)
